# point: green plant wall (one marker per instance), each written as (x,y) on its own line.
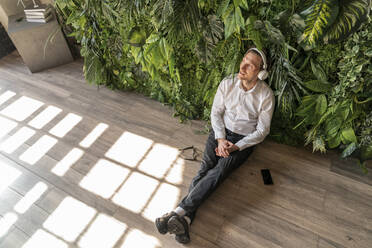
(178,51)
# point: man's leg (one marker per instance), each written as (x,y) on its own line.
(201,191)
(209,161)
(212,179)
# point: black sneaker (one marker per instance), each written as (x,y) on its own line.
(162,222)
(179,226)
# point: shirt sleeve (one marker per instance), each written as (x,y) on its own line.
(263,124)
(218,109)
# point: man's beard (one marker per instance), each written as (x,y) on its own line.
(249,80)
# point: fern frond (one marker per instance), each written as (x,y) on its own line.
(318,17)
(351,15)
(212,33)
(163,9)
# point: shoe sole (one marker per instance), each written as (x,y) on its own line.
(183,239)
(175,226)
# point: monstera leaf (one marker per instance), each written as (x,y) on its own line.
(318,17)
(352,14)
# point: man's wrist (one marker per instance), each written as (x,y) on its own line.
(237,148)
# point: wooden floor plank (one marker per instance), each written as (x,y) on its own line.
(30,221)
(15,238)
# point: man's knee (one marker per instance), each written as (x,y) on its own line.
(223,168)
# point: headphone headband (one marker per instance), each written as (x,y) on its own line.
(262,56)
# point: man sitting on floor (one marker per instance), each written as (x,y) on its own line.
(241,115)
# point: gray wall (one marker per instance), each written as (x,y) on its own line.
(10,7)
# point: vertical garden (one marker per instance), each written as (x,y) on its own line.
(178,51)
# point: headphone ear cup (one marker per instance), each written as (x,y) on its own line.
(262,75)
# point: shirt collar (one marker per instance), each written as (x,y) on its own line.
(239,85)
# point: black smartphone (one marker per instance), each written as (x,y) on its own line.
(266,176)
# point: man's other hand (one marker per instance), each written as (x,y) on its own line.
(232,148)
(225,147)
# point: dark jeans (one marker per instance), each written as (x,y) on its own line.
(213,171)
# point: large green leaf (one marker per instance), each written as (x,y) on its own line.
(348,135)
(351,15)
(93,69)
(318,86)
(318,71)
(334,142)
(223,7)
(230,25)
(321,105)
(318,17)
(273,34)
(307,106)
(332,126)
(137,37)
(239,18)
(349,150)
(253,34)
(244,4)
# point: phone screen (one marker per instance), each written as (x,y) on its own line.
(266,176)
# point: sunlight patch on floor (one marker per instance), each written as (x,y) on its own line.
(175,175)
(105,231)
(164,200)
(44,117)
(31,197)
(8,175)
(6,96)
(6,222)
(21,108)
(42,238)
(158,160)
(39,149)
(69,219)
(6,126)
(104,178)
(135,192)
(65,125)
(93,135)
(16,140)
(69,160)
(129,149)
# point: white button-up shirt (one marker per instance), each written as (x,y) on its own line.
(247,113)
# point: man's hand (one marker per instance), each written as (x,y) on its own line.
(232,148)
(225,147)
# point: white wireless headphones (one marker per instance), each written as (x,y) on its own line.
(263,74)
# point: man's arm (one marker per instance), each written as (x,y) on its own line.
(218,108)
(218,125)
(263,124)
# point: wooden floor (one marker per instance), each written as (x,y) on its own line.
(81,167)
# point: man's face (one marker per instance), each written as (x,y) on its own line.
(250,67)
